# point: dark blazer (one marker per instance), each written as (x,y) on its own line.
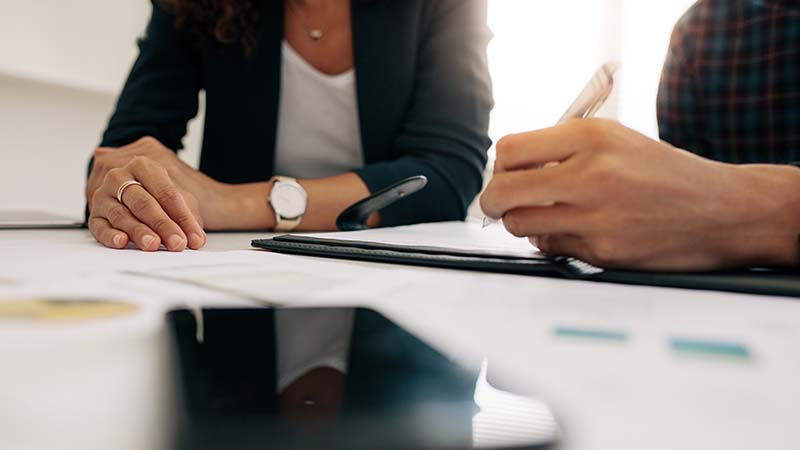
(424,97)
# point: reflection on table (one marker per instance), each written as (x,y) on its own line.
(375,386)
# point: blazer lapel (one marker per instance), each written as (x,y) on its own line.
(381,47)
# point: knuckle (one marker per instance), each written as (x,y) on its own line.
(507,150)
(507,186)
(544,243)
(513,224)
(185,218)
(604,252)
(141,204)
(162,225)
(147,140)
(94,201)
(597,133)
(503,146)
(114,177)
(142,163)
(191,202)
(168,169)
(503,143)
(100,165)
(163,171)
(116,213)
(489,201)
(600,170)
(167,194)
(94,223)
(484,202)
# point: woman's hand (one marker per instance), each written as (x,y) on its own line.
(620,199)
(171,206)
(153,213)
(211,195)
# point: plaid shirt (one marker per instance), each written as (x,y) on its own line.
(730,89)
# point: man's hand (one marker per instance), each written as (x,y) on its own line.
(619,199)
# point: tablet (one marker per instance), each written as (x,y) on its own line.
(336,378)
(32,219)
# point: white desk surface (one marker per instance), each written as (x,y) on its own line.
(103,384)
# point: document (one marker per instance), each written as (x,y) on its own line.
(28,219)
(467,246)
(460,236)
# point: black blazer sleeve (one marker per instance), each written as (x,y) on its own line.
(445,133)
(161,93)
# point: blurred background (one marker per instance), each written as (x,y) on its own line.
(62,63)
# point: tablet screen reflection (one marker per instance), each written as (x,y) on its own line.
(335,379)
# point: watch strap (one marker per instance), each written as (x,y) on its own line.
(282,224)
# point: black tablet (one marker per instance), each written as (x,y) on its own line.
(335,378)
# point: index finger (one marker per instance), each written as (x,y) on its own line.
(525,188)
(537,148)
(157,182)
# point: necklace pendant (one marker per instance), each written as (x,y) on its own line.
(316,35)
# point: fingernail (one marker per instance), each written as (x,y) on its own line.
(117,240)
(175,242)
(148,240)
(196,240)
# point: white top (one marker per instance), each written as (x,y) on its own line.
(310,339)
(318,136)
(318,129)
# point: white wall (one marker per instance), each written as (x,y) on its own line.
(62,63)
(545,51)
(81,43)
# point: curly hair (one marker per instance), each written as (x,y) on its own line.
(225,21)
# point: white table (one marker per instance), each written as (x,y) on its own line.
(104,384)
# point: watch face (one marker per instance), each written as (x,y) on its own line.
(288,200)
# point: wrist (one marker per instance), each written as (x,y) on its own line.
(246,206)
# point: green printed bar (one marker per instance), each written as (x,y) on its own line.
(588,333)
(717,348)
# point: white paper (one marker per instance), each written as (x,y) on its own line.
(462,236)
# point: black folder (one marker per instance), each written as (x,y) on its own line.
(752,281)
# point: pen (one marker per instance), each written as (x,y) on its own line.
(586,105)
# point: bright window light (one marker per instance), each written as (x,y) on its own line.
(544,52)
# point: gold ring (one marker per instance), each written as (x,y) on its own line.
(124,186)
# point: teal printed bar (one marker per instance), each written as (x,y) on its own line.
(716,348)
(585,333)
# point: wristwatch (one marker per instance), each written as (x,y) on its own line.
(289,201)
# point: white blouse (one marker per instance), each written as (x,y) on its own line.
(318,136)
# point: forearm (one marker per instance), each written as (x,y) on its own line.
(248,207)
(768,225)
